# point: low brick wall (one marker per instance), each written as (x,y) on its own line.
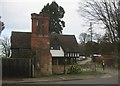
(59,69)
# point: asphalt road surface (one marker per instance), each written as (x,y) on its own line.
(109,81)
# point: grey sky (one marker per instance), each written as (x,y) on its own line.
(16,14)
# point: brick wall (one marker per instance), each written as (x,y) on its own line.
(58,69)
(40,44)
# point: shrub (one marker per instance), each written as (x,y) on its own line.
(98,65)
(74,69)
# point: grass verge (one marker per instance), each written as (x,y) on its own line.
(82,74)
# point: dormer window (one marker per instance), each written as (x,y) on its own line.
(55,45)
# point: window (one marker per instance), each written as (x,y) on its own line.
(78,54)
(40,24)
(55,45)
(61,61)
(57,61)
(71,54)
(54,61)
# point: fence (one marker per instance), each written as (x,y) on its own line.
(17,67)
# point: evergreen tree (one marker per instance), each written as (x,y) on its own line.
(56,13)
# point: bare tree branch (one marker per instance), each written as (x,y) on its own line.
(107,12)
(5,42)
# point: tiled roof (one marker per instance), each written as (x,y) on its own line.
(21,40)
(67,42)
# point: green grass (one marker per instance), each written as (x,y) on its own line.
(86,73)
(92,73)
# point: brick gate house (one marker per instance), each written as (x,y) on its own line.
(50,52)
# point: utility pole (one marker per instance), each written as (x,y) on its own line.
(91,31)
(91,39)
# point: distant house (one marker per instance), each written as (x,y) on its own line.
(50,52)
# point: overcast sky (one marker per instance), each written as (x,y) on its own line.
(16,14)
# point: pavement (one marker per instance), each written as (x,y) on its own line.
(107,73)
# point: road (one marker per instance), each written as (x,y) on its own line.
(97,81)
(110,78)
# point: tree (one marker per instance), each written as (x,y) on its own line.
(5,42)
(91,48)
(1,26)
(56,13)
(107,12)
(98,38)
(119,20)
(106,47)
(84,37)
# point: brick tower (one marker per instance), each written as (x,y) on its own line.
(40,44)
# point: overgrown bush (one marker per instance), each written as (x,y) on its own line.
(98,65)
(74,69)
